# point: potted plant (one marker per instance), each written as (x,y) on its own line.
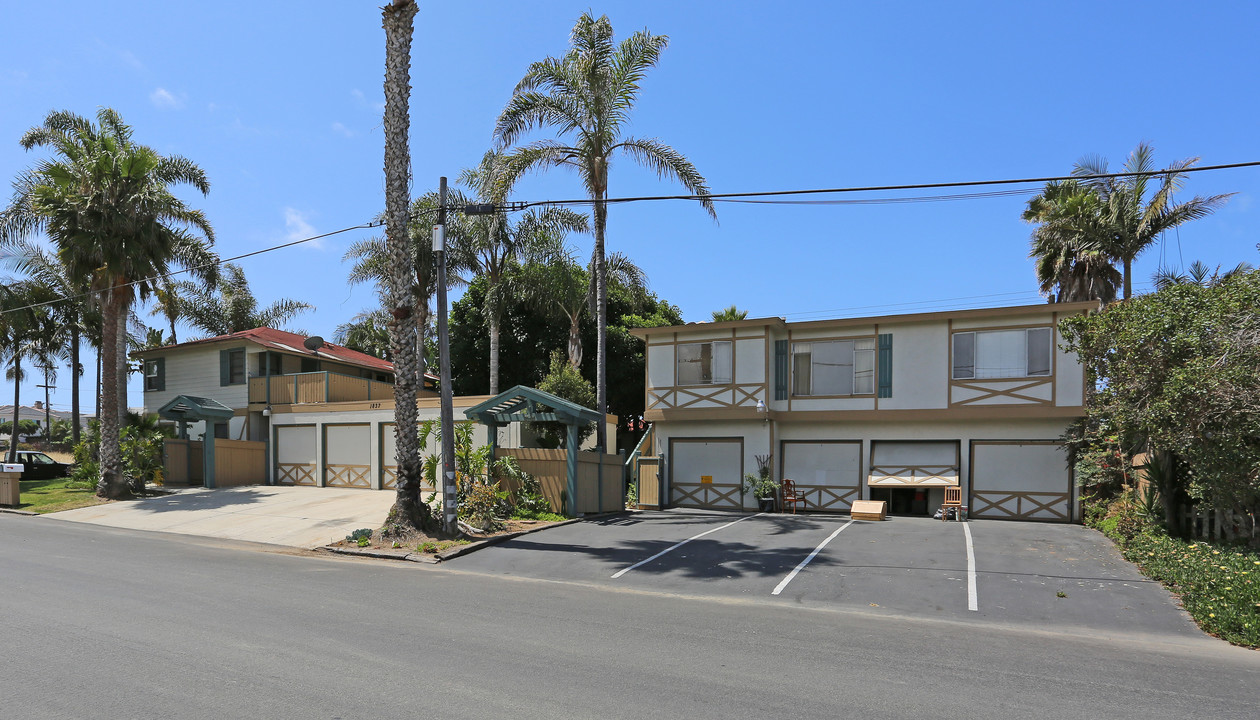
(761,485)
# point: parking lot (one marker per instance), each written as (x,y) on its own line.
(1035,574)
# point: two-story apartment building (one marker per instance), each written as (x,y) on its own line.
(251,370)
(891,408)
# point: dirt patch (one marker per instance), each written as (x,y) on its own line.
(429,545)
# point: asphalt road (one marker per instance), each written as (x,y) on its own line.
(109,623)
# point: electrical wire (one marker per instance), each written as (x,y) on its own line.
(220,261)
(516,206)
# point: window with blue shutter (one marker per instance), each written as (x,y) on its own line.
(780,369)
(885,365)
(232,366)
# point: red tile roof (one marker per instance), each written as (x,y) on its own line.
(292,343)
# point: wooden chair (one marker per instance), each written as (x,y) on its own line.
(791,496)
(953,499)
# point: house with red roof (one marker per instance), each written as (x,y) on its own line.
(252,370)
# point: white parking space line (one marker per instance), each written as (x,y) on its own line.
(971,570)
(677,545)
(779,588)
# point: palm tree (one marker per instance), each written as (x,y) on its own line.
(105,202)
(408,512)
(561,285)
(75,312)
(491,244)
(367,332)
(29,331)
(729,314)
(1198,274)
(229,306)
(587,96)
(1072,245)
(1136,220)
(371,259)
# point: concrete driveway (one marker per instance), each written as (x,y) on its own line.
(302,517)
(1018,573)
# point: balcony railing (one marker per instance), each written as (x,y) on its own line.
(316,387)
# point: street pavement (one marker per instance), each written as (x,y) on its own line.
(111,623)
(1035,575)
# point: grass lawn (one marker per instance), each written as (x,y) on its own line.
(45,496)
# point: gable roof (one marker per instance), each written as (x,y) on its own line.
(285,341)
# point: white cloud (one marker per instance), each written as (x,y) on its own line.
(362,100)
(338,127)
(298,228)
(163,98)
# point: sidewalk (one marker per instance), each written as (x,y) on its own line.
(302,517)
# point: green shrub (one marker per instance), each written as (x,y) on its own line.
(483,505)
(1219,585)
(529,500)
(358,536)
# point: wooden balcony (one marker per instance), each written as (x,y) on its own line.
(316,387)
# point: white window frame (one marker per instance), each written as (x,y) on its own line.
(863,380)
(714,375)
(1028,371)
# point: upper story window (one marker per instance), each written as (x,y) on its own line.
(834,367)
(707,363)
(155,374)
(989,354)
(232,366)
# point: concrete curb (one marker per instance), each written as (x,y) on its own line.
(434,559)
(15,511)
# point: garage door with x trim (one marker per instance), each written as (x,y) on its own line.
(706,472)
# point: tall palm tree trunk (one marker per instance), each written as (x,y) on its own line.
(112,484)
(407,513)
(17,407)
(493,321)
(601,335)
(120,354)
(76,370)
(575,341)
(1128,277)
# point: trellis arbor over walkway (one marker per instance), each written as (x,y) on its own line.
(523,403)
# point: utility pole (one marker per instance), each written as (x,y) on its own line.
(47,409)
(449,491)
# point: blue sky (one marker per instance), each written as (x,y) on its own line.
(281,104)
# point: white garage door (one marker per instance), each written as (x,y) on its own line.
(706,473)
(348,456)
(1020,481)
(295,454)
(827,473)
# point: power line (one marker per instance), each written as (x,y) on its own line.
(516,206)
(64,298)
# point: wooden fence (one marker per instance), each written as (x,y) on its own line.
(550,468)
(1219,524)
(182,461)
(239,462)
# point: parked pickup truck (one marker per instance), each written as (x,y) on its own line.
(38,466)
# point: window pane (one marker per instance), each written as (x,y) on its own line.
(800,369)
(688,364)
(833,368)
(1001,354)
(964,355)
(236,367)
(721,363)
(1039,351)
(863,367)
